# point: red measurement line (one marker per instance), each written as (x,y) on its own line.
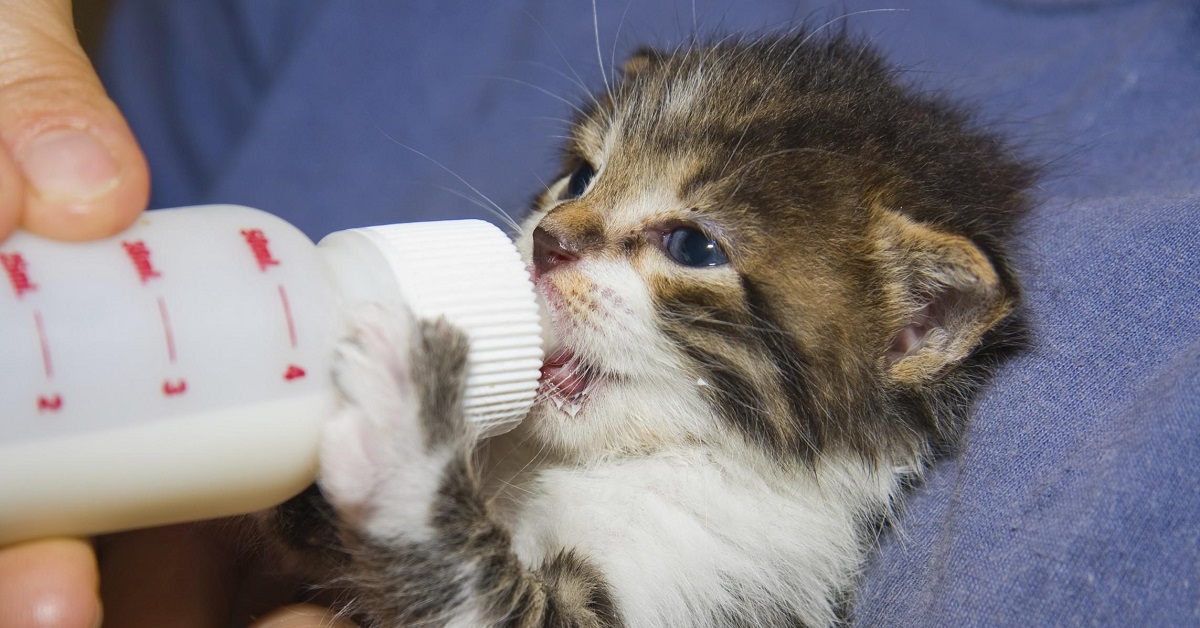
(166,321)
(41,330)
(287,313)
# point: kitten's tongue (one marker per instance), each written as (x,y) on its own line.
(560,377)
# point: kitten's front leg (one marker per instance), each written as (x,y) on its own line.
(397,467)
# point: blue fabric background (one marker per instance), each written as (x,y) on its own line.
(1076,498)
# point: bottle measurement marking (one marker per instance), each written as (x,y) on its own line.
(260,248)
(168,333)
(139,254)
(47,364)
(293,372)
(51,402)
(17,270)
(287,314)
(179,386)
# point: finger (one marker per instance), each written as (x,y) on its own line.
(174,576)
(49,584)
(84,175)
(303,616)
(12,195)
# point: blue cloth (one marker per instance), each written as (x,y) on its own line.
(1076,497)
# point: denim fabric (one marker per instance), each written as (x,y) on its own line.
(1075,499)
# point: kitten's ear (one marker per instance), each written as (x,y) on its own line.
(642,59)
(944,292)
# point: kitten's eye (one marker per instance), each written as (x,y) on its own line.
(578,184)
(691,247)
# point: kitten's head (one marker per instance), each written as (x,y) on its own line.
(777,243)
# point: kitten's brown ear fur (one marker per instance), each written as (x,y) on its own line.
(943,292)
(641,59)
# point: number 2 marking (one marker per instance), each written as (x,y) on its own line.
(49,403)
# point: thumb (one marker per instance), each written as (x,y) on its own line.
(69,165)
(49,583)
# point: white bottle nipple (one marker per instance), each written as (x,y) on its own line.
(469,272)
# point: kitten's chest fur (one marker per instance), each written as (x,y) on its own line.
(680,528)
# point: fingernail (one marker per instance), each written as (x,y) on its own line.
(69,165)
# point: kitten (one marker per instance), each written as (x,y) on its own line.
(779,279)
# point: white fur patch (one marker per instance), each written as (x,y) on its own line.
(683,95)
(375,468)
(683,533)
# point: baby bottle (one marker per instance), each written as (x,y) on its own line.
(181,370)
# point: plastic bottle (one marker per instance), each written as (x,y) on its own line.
(181,370)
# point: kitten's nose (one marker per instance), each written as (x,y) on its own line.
(549,252)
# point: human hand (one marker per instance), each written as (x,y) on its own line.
(49,584)
(71,169)
(69,166)
(55,182)
(190,576)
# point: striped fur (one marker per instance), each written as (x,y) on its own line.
(719,441)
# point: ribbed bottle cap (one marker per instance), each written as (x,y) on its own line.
(470,272)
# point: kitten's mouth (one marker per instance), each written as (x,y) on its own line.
(564,377)
(566,380)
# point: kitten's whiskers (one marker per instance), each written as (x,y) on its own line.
(599,54)
(578,80)
(612,59)
(547,92)
(491,206)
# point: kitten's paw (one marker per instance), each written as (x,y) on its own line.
(373,370)
(440,357)
(382,457)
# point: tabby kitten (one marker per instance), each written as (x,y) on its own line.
(779,279)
